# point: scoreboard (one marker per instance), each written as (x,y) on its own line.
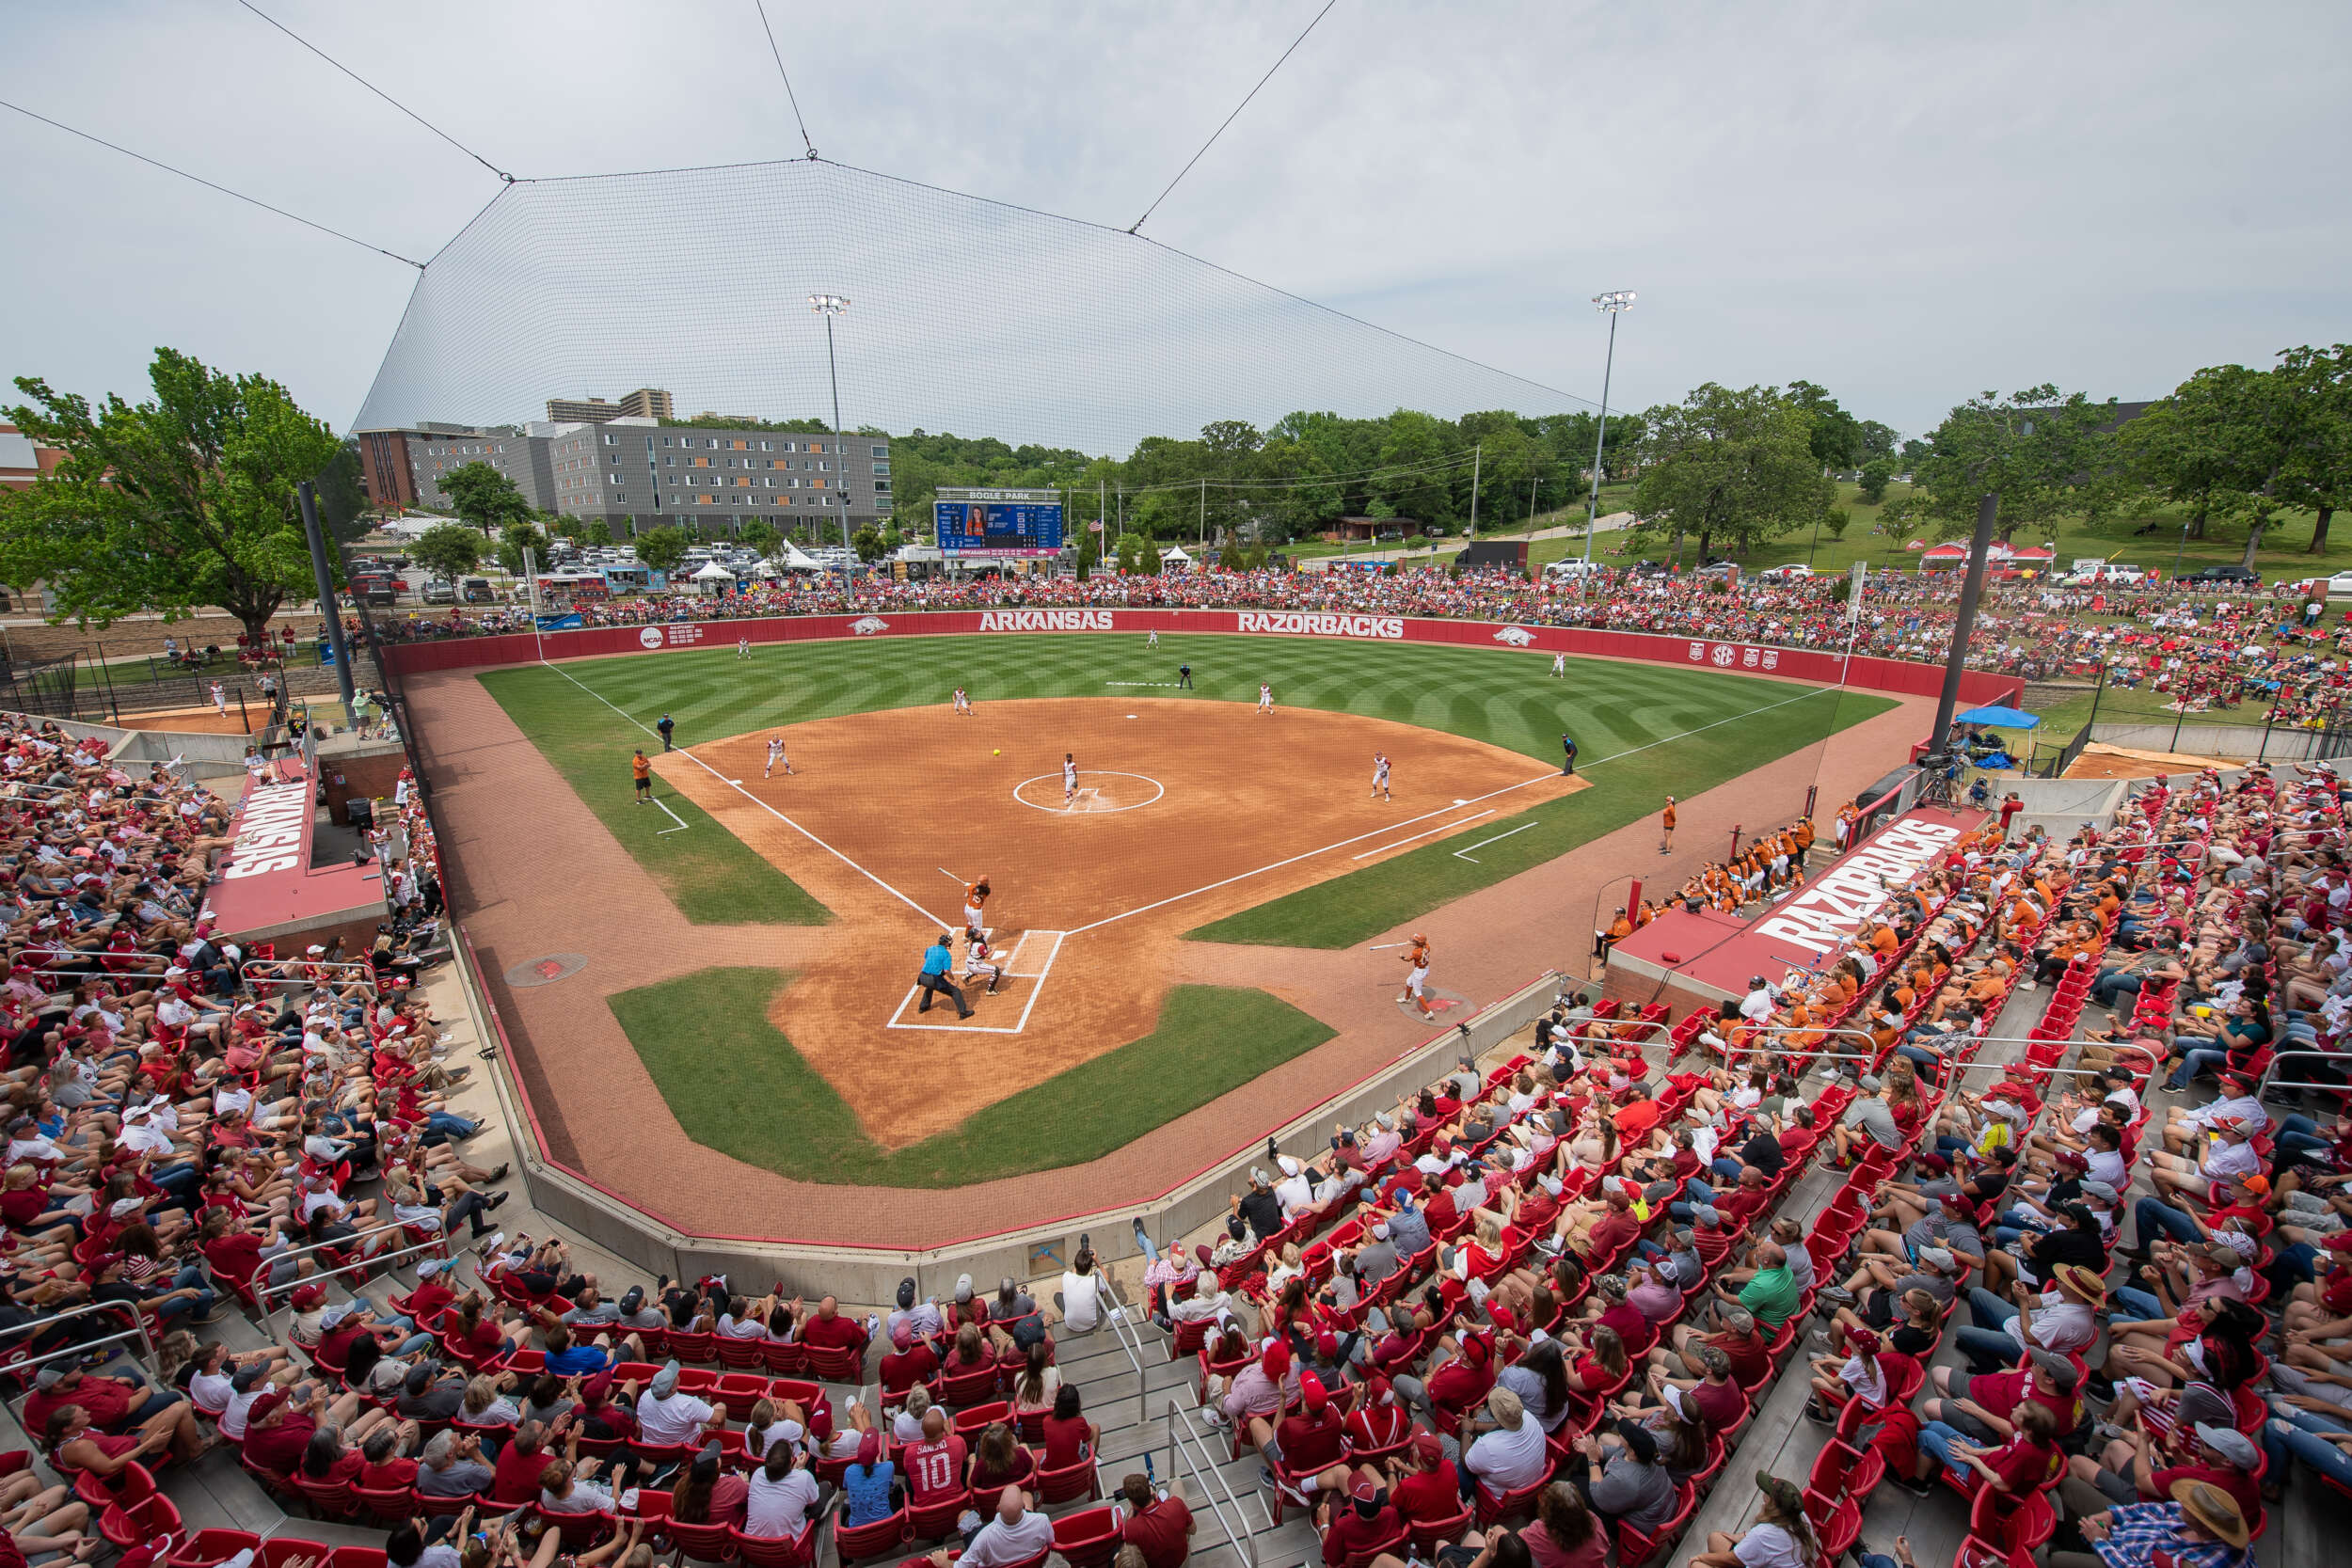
(982,523)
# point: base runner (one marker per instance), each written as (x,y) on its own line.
(963,704)
(974,896)
(1380,775)
(775,755)
(1069,780)
(980,957)
(1417,974)
(1265,698)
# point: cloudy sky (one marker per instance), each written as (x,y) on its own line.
(1906,204)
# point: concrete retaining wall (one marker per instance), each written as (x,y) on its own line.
(2253,742)
(858,1274)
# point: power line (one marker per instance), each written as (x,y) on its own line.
(789,96)
(249,201)
(1230,119)
(379,92)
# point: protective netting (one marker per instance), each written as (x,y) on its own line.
(966,315)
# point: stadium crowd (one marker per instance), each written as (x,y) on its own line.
(1523,1317)
(2207,648)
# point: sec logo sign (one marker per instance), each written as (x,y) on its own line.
(650,637)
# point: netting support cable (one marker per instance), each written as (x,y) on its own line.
(790,96)
(249,200)
(379,92)
(1230,119)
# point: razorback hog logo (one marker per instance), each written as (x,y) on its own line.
(1045,620)
(1519,637)
(866,625)
(1294,623)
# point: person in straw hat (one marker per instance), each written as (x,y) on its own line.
(2201,1528)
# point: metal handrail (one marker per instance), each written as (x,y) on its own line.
(382,1259)
(246,965)
(1185,1445)
(47,1320)
(2269,1080)
(1130,1342)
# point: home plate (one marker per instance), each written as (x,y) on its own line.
(1440,1002)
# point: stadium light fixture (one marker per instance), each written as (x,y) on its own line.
(1613,305)
(829,306)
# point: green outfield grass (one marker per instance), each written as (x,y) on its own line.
(735,1084)
(1642,731)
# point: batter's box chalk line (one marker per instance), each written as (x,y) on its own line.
(904,1015)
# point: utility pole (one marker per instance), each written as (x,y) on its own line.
(1204,518)
(829,306)
(325,580)
(1478,455)
(1971,589)
(1613,304)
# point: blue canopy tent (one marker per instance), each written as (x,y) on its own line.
(2001,717)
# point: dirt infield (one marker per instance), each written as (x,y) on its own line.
(197,720)
(1187,812)
(533,872)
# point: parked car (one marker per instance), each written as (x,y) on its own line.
(476,591)
(1650,569)
(1573,568)
(2117,571)
(1719,566)
(1794,569)
(2242,576)
(439,593)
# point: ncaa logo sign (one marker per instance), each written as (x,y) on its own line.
(649,637)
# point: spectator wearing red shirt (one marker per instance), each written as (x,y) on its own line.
(1310,1442)
(1982,1407)
(911,1361)
(1427,1488)
(1159,1527)
(1458,1385)
(276,1430)
(934,1466)
(830,1330)
(2027,1463)
(1069,1435)
(1364,1520)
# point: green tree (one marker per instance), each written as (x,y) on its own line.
(1838,520)
(2320,479)
(868,544)
(1137,555)
(182,501)
(596,532)
(758,534)
(1734,465)
(661,547)
(1878,441)
(1834,436)
(1876,475)
(2179,449)
(2034,449)
(485,498)
(448,550)
(515,539)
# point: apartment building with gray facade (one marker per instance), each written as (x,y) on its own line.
(637,473)
(522,454)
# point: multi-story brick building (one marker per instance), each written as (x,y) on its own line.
(403,468)
(24,460)
(646,403)
(637,473)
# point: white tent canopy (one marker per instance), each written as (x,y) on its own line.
(1175,552)
(799,560)
(713,572)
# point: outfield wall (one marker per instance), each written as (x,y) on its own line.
(1900,676)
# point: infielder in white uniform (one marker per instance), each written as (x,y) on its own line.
(1380,775)
(963,704)
(742,647)
(775,755)
(1151,639)
(1069,780)
(1265,698)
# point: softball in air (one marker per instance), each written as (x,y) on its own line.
(996,754)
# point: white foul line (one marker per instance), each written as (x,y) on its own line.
(928,917)
(1464,854)
(1463,822)
(667,813)
(1425,816)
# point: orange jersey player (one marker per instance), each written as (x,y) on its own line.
(974,896)
(1417,974)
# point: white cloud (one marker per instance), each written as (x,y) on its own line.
(1904,205)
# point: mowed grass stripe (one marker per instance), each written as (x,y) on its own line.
(1357,907)
(737,1084)
(1484,694)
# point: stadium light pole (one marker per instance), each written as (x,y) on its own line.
(829,306)
(1612,303)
